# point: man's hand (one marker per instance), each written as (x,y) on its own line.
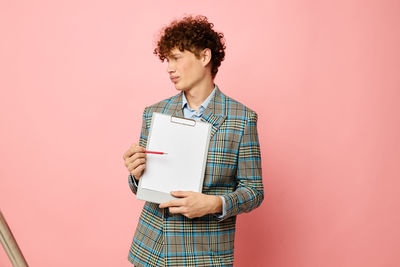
(135,160)
(193,204)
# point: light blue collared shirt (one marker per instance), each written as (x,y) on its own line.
(189,113)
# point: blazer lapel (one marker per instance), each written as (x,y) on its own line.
(215,112)
(175,108)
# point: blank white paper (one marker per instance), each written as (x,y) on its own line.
(184,165)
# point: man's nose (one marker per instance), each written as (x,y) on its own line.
(170,68)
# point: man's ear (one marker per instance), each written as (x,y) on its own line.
(206,56)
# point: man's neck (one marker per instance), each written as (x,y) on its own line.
(195,96)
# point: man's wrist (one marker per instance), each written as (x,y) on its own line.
(216,204)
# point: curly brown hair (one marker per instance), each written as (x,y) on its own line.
(193,34)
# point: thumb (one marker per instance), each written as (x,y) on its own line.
(180,193)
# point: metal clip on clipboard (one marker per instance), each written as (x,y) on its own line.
(183,121)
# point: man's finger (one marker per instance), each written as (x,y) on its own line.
(181,193)
(135,148)
(127,154)
(139,149)
(138,162)
(175,210)
(168,204)
(136,156)
(130,151)
(132,166)
(138,171)
(172,203)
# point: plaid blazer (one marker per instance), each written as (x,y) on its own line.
(233,171)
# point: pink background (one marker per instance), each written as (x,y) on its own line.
(323,77)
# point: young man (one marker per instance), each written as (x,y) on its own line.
(198,229)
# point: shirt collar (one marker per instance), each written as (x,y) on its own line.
(203,105)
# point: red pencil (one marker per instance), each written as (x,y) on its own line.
(155,152)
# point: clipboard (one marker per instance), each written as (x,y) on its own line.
(186,141)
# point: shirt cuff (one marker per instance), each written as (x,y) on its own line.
(133,180)
(223,208)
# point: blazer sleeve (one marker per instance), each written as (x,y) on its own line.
(249,192)
(142,142)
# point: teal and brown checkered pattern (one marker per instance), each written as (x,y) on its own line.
(233,171)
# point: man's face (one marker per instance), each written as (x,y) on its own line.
(185,69)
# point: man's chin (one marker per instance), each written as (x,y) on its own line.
(179,88)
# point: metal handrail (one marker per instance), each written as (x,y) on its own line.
(10,245)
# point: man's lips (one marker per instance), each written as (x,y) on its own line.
(174,79)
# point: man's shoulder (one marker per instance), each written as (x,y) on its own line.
(162,105)
(236,109)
